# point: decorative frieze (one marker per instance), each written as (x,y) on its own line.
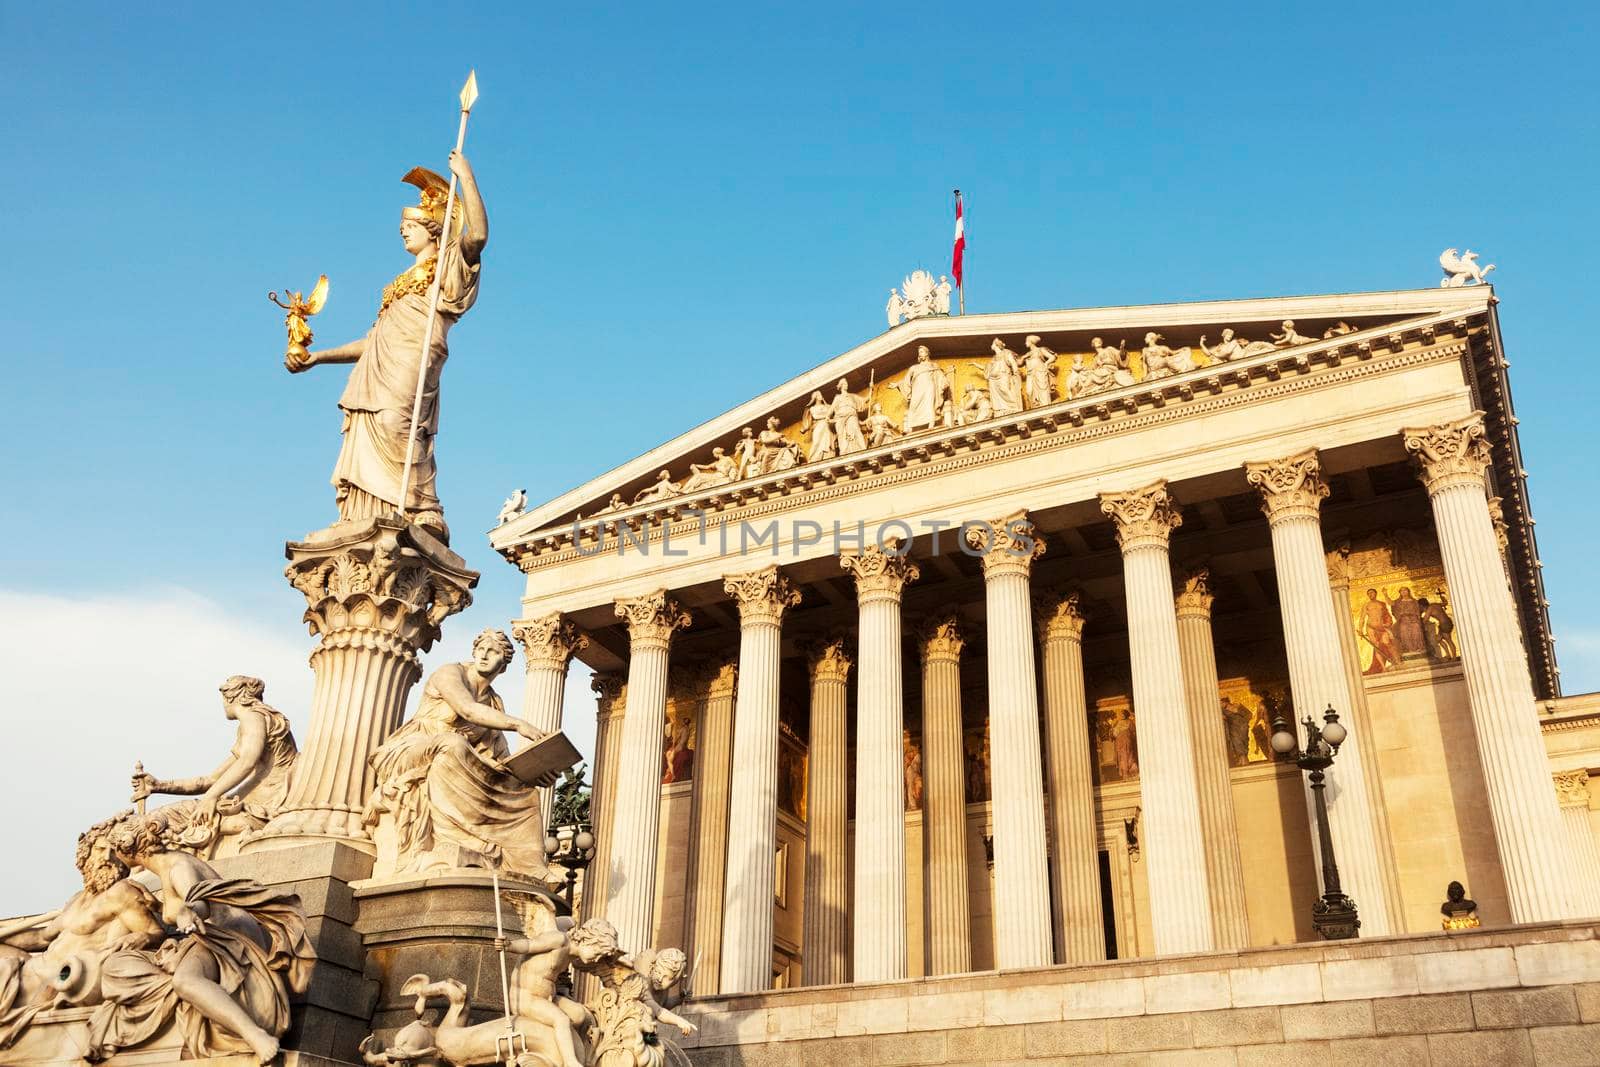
(1291,488)
(1145,517)
(1451,453)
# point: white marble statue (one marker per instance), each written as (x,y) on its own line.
(881,429)
(1108,370)
(924,388)
(1290,336)
(975,406)
(746,454)
(720,471)
(1038,366)
(777,452)
(1338,329)
(627,1011)
(1232,347)
(1003,373)
(443,796)
(662,488)
(848,410)
(918,296)
(379,397)
(817,424)
(1462,269)
(247,789)
(515,504)
(1161,361)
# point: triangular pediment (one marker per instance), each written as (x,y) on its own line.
(964,385)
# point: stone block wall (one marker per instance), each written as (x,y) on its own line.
(1495,997)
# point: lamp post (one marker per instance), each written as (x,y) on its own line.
(569,841)
(1334,914)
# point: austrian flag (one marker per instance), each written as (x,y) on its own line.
(961,243)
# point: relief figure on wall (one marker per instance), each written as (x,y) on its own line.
(791,775)
(924,387)
(1003,373)
(818,423)
(912,751)
(975,752)
(1115,730)
(1404,621)
(848,410)
(1236,728)
(1039,367)
(677,758)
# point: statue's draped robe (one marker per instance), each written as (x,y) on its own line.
(819,419)
(443,779)
(378,398)
(847,411)
(924,382)
(1038,388)
(137,983)
(1005,384)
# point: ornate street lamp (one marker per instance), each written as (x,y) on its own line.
(1334,914)
(569,841)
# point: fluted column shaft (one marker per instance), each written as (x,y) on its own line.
(630,903)
(1292,490)
(948,921)
(1361,721)
(611,694)
(880,848)
(1454,460)
(1022,935)
(1224,872)
(1080,933)
(1572,793)
(713,766)
(548,645)
(753,794)
(826,932)
(1180,898)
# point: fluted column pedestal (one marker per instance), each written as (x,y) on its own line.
(1454,460)
(1572,793)
(1224,872)
(948,922)
(825,944)
(1180,897)
(630,903)
(548,645)
(762,596)
(713,768)
(880,850)
(375,597)
(1022,936)
(1292,490)
(1080,933)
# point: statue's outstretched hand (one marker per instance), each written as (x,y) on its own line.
(295,362)
(143,785)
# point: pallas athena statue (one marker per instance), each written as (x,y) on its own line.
(379,398)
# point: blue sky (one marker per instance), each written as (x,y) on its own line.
(689,205)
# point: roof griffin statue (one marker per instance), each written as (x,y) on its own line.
(1462,269)
(390,405)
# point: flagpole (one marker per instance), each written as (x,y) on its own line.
(469,96)
(961,287)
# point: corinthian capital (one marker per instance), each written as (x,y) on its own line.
(1572,788)
(610,692)
(1338,558)
(548,641)
(1060,617)
(652,619)
(1008,545)
(721,678)
(830,660)
(941,639)
(762,596)
(1291,488)
(1450,454)
(1194,592)
(1145,517)
(881,573)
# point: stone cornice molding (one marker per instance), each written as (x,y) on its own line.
(829,660)
(1009,545)
(1145,517)
(762,596)
(549,642)
(1292,489)
(610,692)
(1572,788)
(1194,597)
(652,620)
(1451,454)
(940,640)
(1060,616)
(881,573)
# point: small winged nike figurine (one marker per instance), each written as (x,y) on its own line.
(299,310)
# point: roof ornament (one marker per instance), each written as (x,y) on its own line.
(1462,269)
(919,296)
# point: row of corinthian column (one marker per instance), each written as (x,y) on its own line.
(1197,899)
